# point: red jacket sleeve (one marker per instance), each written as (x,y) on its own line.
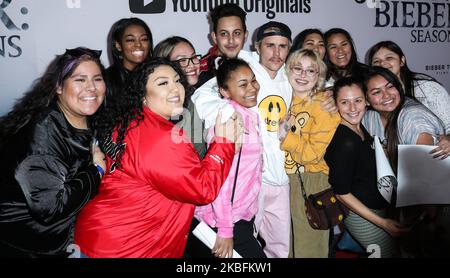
(178,173)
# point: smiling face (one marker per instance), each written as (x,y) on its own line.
(382,95)
(242,87)
(134,46)
(273,51)
(314,41)
(389,60)
(82,93)
(164,92)
(351,104)
(303,76)
(339,50)
(230,36)
(184,50)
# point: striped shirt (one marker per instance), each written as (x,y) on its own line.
(413,120)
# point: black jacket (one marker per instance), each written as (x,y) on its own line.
(47,177)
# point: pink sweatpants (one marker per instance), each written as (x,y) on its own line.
(273,220)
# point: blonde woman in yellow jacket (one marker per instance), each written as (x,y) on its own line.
(305,135)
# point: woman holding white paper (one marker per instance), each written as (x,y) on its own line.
(352,175)
(424,88)
(396,117)
(403,120)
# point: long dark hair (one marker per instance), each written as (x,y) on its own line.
(407,76)
(116,34)
(117,74)
(128,106)
(352,66)
(300,39)
(391,129)
(43,92)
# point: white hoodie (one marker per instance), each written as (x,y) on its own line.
(274,99)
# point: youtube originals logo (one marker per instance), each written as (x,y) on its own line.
(270,7)
(147,6)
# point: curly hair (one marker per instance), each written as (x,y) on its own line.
(128,107)
(43,92)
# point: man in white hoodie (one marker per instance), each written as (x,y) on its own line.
(273,41)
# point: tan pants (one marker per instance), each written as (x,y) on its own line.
(305,241)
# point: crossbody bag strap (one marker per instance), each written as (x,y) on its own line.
(302,187)
(236,175)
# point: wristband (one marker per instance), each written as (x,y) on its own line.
(100,170)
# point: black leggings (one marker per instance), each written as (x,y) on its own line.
(243,242)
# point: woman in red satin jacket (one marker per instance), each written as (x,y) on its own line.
(154,177)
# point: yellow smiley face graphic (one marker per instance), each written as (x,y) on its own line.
(290,165)
(272,109)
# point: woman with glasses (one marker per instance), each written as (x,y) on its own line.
(313,39)
(305,135)
(182,52)
(130,44)
(49,171)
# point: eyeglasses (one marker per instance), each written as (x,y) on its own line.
(80,51)
(184,62)
(308,72)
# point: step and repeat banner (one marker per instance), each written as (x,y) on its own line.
(32,32)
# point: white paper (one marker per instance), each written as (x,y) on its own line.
(422,179)
(386,180)
(206,235)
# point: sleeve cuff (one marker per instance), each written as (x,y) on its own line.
(225,232)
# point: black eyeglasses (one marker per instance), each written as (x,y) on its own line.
(184,62)
(80,51)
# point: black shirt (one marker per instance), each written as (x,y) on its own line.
(353,167)
(47,177)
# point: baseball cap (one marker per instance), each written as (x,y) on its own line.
(273,28)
